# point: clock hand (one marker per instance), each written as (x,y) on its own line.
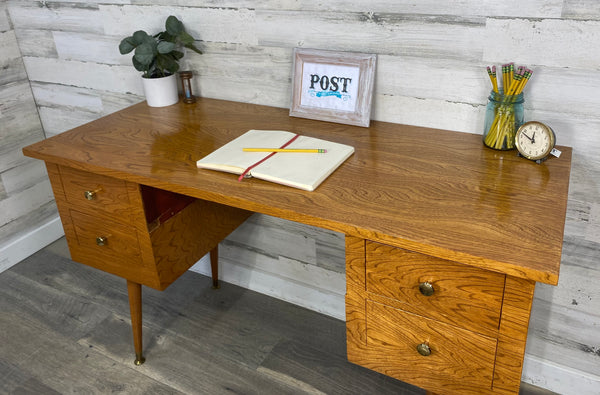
(530,139)
(533,138)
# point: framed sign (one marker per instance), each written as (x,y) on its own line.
(333,86)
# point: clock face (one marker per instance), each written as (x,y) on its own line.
(534,140)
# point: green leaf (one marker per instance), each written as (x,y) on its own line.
(188,42)
(185,38)
(138,66)
(193,48)
(165,47)
(145,54)
(167,62)
(177,55)
(154,72)
(140,37)
(127,45)
(164,36)
(174,26)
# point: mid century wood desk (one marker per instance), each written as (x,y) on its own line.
(445,239)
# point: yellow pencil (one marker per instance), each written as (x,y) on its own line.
(526,77)
(314,151)
(515,82)
(505,80)
(492,74)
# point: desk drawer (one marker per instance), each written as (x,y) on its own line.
(104,244)
(460,295)
(93,192)
(456,355)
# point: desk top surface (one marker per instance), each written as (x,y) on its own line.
(432,191)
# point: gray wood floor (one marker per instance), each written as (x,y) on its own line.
(64,328)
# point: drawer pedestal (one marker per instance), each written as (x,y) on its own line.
(464,333)
(145,235)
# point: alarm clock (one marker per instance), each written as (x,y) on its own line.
(535,141)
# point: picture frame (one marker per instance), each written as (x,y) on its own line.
(333,86)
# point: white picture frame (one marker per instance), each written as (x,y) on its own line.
(333,86)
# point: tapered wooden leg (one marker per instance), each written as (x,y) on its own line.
(214,266)
(135,306)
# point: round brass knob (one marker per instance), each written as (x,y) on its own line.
(424,349)
(426,288)
(101,241)
(90,195)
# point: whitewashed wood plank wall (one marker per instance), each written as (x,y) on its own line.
(430,72)
(26,202)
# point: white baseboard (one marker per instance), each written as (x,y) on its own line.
(557,378)
(279,286)
(28,244)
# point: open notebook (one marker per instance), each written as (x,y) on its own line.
(300,170)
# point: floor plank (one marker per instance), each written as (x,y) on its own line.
(330,373)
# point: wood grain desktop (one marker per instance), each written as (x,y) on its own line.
(419,208)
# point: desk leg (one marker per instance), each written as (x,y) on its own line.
(135,306)
(214,266)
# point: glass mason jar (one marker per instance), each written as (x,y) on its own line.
(503,116)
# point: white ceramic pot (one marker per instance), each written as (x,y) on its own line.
(161,92)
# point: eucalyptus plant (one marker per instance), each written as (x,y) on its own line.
(158,56)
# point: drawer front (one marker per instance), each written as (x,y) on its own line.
(104,244)
(447,291)
(456,355)
(93,192)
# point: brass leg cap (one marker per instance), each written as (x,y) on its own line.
(139,360)
(216,285)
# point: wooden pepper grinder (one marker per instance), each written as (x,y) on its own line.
(186,76)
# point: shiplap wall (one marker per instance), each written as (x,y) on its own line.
(430,72)
(27,208)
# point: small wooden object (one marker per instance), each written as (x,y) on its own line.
(186,84)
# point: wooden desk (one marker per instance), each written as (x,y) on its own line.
(423,211)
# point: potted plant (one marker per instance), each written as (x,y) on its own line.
(158,58)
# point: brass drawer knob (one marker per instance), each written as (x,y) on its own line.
(90,195)
(101,241)
(424,349)
(426,288)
